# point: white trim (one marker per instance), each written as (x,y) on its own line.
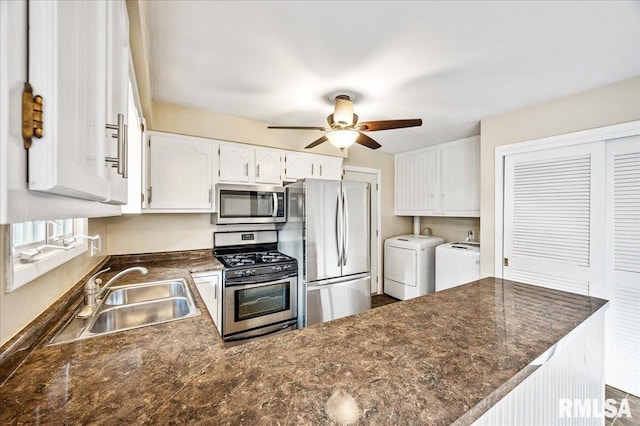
(19,274)
(576,138)
(378,238)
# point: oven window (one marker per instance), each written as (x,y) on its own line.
(260,301)
(246,204)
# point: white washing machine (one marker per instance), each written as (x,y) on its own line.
(409,265)
(457,264)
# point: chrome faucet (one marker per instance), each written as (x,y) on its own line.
(93,292)
(141,269)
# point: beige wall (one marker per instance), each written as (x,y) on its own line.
(194,122)
(608,105)
(452,229)
(23,305)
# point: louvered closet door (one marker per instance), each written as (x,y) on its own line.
(623,264)
(553,227)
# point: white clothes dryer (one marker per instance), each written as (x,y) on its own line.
(409,265)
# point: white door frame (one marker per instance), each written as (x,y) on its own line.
(378,238)
(592,135)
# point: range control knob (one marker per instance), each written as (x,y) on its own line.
(250,272)
(277,268)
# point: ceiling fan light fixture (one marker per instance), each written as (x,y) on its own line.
(343,112)
(342,138)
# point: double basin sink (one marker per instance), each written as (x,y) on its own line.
(131,306)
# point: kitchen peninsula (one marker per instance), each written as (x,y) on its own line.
(438,359)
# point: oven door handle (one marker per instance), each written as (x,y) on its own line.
(272,331)
(258,283)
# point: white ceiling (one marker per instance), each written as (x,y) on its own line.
(450,63)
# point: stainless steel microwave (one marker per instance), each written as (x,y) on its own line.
(250,204)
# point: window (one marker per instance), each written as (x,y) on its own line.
(33,234)
(40,246)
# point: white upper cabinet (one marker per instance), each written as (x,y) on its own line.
(67,67)
(442,180)
(117,99)
(233,163)
(299,165)
(460,178)
(268,166)
(180,177)
(328,167)
(78,62)
(240,163)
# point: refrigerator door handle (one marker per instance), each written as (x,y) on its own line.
(339,228)
(345,219)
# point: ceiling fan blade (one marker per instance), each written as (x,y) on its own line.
(298,128)
(317,142)
(372,126)
(365,140)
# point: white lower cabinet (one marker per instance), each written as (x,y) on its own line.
(442,180)
(180,176)
(209,285)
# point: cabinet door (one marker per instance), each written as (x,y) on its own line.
(117,93)
(180,175)
(416,184)
(67,67)
(460,177)
(268,166)
(298,166)
(328,167)
(234,163)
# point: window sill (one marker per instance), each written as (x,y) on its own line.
(24,273)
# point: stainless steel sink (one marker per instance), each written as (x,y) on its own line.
(125,317)
(146,291)
(131,306)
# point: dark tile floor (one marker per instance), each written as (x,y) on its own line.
(610,393)
(381,300)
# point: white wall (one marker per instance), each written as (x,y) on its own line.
(612,104)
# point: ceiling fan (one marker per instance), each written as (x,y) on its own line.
(344,129)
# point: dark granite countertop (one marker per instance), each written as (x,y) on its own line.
(431,360)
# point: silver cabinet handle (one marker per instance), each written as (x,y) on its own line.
(210,194)
(345,215)
(258,170)
(312,169)
(149,195)
(320,167)
(246,169)
(121,135)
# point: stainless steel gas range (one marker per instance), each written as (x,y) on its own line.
(259,285)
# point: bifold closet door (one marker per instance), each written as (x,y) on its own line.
(553,223)
(623,264)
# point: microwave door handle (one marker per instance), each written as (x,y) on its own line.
(275,204)
(345,217)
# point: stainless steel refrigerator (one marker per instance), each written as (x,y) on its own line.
(327,230)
